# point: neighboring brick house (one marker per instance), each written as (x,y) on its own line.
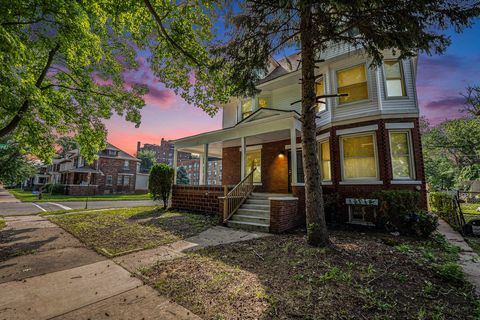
(113,172)
(366,141)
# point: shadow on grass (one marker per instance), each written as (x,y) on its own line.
(281,277)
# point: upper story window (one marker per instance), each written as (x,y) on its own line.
(401,152)
(320,91)
(262,102)
(246,108)
(359,157)
(324,157)
(395,84)
(352,81)
(126,165)
(112,153)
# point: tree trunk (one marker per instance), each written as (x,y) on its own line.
(315,214)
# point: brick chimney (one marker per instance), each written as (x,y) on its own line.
(138,145)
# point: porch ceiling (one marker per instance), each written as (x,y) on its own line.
(266,129)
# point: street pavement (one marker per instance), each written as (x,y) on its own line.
(23,208)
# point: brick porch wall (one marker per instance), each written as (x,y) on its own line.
(78,190)
(202,199)
(284,215)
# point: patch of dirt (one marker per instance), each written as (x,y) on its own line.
(363,276)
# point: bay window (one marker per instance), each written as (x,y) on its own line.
(320,91)
(254,161)
(400,150)
(395,84)
(359,157)
(352,81)
(324,158)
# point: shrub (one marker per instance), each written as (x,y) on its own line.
(441,203)
(56,188)
(160,182)
(332,205)
(426,224)
(398,210)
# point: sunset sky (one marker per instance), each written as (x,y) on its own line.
(440,82)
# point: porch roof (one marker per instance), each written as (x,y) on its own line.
(264,125)
(84,170)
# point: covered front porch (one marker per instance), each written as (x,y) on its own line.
(262,142)
(262,180)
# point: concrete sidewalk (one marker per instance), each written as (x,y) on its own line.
(469,260)
(45,273)
(212,237)
(6,197)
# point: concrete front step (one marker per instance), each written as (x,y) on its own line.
(250,218)
(253,211)
(262,202)
(249,226)
(255,206)
(262,195)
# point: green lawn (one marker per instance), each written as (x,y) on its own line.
(118,231)
(364,276)
(470,208)
(3,224)
(27,196)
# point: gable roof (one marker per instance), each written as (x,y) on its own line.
(121,153)
(282,67)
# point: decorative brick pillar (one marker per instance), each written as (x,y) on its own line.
(284,214)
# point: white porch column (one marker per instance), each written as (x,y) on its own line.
(293,154)
(174,164)
(243,157)
(205,164)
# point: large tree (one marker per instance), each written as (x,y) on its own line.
(263,29)
(147,158)
(15,167)
(63,64)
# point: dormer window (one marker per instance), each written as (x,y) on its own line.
(320,91)
(246,108)
(262,102)
(395,84)
(112,153)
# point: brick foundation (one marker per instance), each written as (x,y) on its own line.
(203,199)
(78,190)
(284,214)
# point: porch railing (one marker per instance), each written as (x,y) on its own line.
(235,198)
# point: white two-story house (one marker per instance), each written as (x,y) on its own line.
(368,140)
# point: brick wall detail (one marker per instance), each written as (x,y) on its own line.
(284,214)
(202,199)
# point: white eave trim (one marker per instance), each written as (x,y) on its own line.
(251,148)
(323,136)
(399,125)
(372,127)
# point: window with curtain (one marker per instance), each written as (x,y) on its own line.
(320,90)
(324,157)
(359,160)
(352,81)
(254,160)
(401,155)
(262,102)
(394,78)
(246,108)
(300,173)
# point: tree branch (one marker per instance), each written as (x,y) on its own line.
(166,35)
(26,104)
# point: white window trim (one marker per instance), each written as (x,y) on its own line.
(348,131)
(410,155)
(319,142)
(399,125)
(362,180)
(404,84)
(366,77)
(324,92)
